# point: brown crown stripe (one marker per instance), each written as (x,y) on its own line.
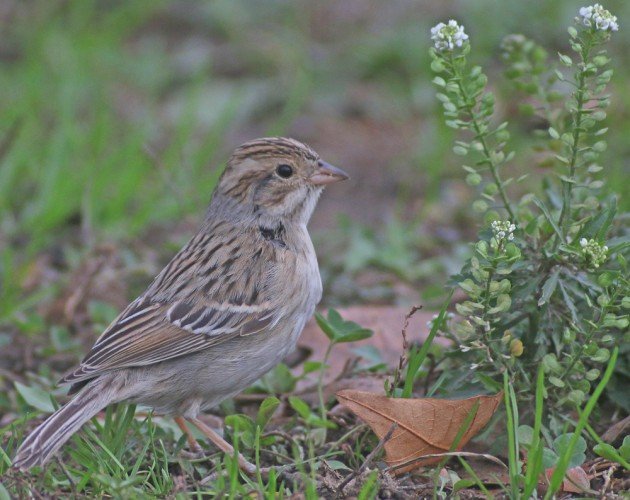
(274,147)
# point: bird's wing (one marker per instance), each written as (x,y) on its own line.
(150,332)
(200,299)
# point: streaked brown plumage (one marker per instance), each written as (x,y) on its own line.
(227,308)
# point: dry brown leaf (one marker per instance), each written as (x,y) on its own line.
(425,426)
(575,480)
(385,321)
(364,382)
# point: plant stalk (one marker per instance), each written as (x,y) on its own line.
(567,186)
(481,137)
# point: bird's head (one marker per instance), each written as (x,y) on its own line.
(277,177)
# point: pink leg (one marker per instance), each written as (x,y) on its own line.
(223,445)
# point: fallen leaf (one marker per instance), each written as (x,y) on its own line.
(367,383)
(385,321)
(425,426)
(575,480)
(617,430)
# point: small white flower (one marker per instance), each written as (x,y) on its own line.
(474,366)
(593,253)
(464,348)
(448,36)
(598,17)
(503,230)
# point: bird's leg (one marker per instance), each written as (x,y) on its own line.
(223,445)
(195,447)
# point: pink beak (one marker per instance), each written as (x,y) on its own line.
(327,174)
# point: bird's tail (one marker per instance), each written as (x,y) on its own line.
(46,439)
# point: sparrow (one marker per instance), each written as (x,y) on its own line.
(225,310)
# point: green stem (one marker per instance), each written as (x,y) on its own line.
(589,336)
(469,104)
(567,186)
(320,382)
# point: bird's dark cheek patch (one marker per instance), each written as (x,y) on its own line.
(273,234)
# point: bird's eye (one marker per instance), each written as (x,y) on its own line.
(285,171)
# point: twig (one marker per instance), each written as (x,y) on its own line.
(368,460)
(607,476)
(73,485)
(403,360)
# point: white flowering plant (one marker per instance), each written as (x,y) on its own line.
(547,283)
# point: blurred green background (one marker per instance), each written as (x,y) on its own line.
(116,118)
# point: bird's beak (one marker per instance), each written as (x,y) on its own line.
(327,174)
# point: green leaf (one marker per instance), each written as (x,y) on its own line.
(525,434)
(549,458)
(609,453)
(355,336)
(241,421)
(279,380)
(437,66)
(601,356)
(504,301)
(549,287)
(568,301)
(301,408)
(547,215)
(470,287)
(473,179)
(550,363)
(312,366)
(566,60)
(489,383)
(245,426)
(266,411)
(561,446)
(463,484)
(598,225)
(325,326)
(337,465)
(576,396)
(338,330)
(35,397)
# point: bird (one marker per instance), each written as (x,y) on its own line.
(228,307)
